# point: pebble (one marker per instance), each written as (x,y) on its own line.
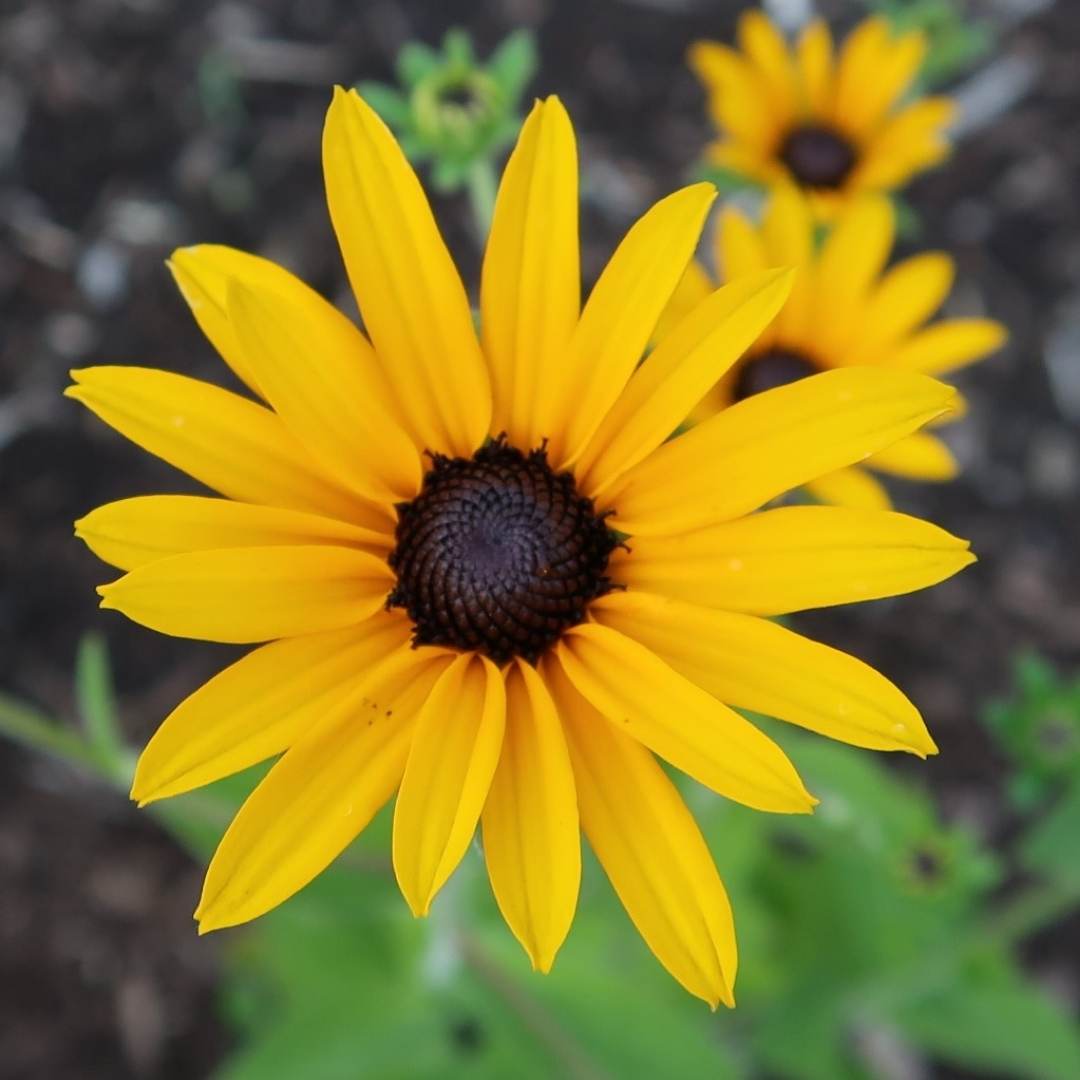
(102,274)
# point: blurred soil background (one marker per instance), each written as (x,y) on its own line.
(127,128)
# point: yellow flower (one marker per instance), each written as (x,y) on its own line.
(836,127)
(419,522)
(844,310)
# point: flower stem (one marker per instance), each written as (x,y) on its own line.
(482,187)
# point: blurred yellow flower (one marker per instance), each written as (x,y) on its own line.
(420,523)
(836,126)
(845,310)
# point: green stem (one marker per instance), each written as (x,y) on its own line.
(544,1027)
(30,728)
(482,186)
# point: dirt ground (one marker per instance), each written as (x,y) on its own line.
(128,127)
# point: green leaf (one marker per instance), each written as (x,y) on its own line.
(1052,846)
(388,102)
(415,62)
(1011,1030)
(25,725)
(513,63)
(96,703)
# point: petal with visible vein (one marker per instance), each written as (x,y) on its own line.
(263,704)
(678,373)
(410,295)
(322,378)
(737,657)
(319,797)
(132,532)
(650,848)
(794,558)
(647,699)
(247,595)
(455,750)
(618,320)
(530,289)
(531,834)
(221,439)
(770,443)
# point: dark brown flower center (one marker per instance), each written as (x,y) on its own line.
(498,553)
(771,369)
(817,156)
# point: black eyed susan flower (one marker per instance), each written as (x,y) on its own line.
(844,310)
(836,126)
(483,578)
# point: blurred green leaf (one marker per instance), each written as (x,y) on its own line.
(955,40)
(514,62)
(387,101)
(96,702)
(1051,847)
(1039,729)
(416,61)
(1010,1029)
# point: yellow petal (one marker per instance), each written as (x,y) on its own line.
(263,704)
(455,749)
(322,378)
(737,658)
(768,52)
(768,444)
(244,595)
(131,532)
(788,232)
(794,558)
(861,58)
(202,274)
(678,373)
(650,848)
(740,249)
(853,487)
(948,345)
(898,65)
(410,295)
(619,319)
(909,294)
(918,457)
(531,834)
(853,256)
(738,102)
(693,287)
(814,56)
(912,140)
(319,797)
(226,442)
(645,698)
(530,290)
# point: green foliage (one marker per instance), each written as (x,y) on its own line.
(956,42)
(452,111)
(866,917)
(1039,730)
(871,920)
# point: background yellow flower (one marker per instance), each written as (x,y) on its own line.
(845,310)
(836,125)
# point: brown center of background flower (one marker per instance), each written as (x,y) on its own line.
(498,553)
(771,369)
(818,156)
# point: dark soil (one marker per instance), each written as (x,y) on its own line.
(130,126)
